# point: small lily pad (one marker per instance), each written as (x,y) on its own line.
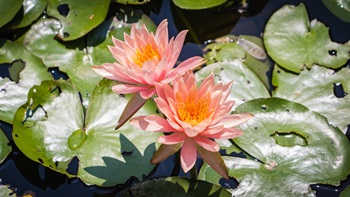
(294,42)
(339,8)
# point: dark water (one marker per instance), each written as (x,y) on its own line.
(26,175)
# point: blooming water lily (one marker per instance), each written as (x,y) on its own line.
(144,59)
(194,117)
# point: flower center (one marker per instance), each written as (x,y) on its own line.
(194,110)
(144,54)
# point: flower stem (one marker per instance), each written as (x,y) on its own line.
(193,173)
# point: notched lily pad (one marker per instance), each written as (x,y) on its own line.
(52,128)
(286,169)
(294,42)
(77,17)
(25,70)
(320,89)
(175,186)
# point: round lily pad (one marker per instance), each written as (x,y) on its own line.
(294,42)
(280,168)
(54,129)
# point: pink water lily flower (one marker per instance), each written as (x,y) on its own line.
(145,58)
(194,117)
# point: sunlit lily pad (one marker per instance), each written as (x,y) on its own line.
(320,89)
(175,186)
(248,49)
(51,128)
(294,42)
(77,17)
(246,84)
(5,148)
(280,169)
(8,10)
(6,191)
(339,8)
(31,11)
(26,70)
(197,5)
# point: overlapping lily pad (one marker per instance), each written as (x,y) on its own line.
(248,49)
(285,169)
(317,90)
(8,10)
(52,128)
(27,70)
(294,42)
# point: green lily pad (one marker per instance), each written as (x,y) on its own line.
(345,192)
(26,70)
(5,148)
(339,8)
(280,169)
(77,17)
(197,5)
(31,10)
(315,89)
(246,84)
(8,10)
(230,48)
(293,42)
(175,186)
(51,128)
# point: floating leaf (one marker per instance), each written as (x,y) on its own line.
(175,186)
(246,85)
(8,10)
(230,48)
(51,129)
(280,169)
(320,89)
(339,8)
(26,70)
(197,5)
(32,10)
(5,148)
(345,192)
(293,42)
(77,17)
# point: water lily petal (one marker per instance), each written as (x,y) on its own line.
(152,123)
(127,88)
(172,139)
(234,119)
(206,143)
(188,155)
(189,64)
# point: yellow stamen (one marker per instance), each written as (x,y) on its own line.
(144,54)
(194,110)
